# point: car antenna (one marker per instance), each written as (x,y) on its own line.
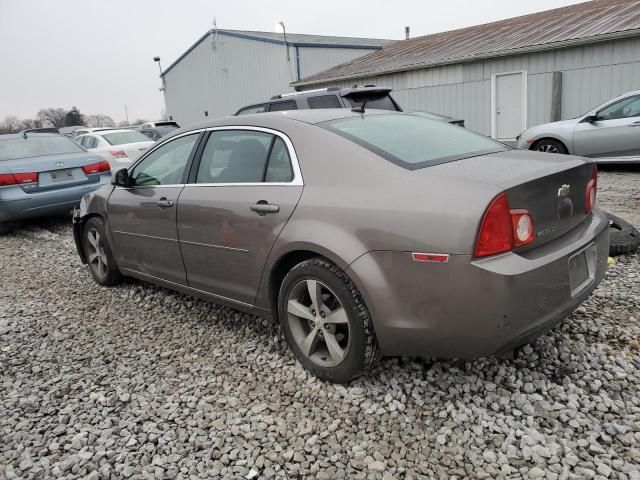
(24,135)
(360,109)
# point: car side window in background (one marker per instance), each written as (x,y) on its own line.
(253,109)
(165,165)
(625,108)
(324,101)
(148,133)
(280,106)
(92,142)
(279,168)
(234,156)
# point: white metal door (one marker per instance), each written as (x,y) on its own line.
(508,105)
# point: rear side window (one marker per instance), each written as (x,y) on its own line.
(252,109)
(324,101)
(280,106)
(244,156)
(381,101)
(411,141)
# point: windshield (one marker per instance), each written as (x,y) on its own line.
(120,138)
(36,146)
(413,141)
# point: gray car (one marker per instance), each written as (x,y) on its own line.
(610,133)
(43,174)
(370,234)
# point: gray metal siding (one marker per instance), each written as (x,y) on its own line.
(222,75)
(592,74)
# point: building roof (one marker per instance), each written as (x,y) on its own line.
(587,22)
(293,39)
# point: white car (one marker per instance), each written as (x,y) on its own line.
(118,147)
(610,133)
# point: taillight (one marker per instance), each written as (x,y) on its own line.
(591,190)
(118,154)
(18,178)
(503,229)
(98,167)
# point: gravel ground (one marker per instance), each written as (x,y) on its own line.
(140,382)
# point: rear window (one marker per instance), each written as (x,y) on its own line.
(120,138)
(35,146)
(380,101)
(413,142)
(324,101)
(167,124)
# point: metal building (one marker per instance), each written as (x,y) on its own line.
(505,76)
(228,69)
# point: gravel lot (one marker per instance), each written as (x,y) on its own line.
(140,382)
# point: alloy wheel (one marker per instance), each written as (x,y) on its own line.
(96,254)
(318,322)
(545,147)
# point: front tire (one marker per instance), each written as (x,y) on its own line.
(101,261)
(549,145)
(326,322)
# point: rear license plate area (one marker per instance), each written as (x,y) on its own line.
(61,175)
(582,269)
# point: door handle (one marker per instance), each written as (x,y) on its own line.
(634,124)
(164,203)
(263,207)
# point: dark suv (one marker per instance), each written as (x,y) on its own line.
(334,97)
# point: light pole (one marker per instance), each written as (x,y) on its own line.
(157,59)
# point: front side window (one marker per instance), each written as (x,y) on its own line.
(166,164)
(244,156)
(252,109)
(411,141)
(625,108)
(280,106)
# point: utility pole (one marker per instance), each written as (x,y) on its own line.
(126,114)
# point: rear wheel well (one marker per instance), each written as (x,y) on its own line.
(280,270)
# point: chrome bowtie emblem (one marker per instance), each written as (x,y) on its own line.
(564,190)
(59,164)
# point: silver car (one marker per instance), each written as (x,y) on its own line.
(610,133)
(42,174)
(381,233)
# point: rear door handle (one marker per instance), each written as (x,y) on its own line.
(164,203)
(634,124)
(263,207)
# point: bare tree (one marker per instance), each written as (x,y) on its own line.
(30,123)
(140,121)
(10,124)
(100,120)
(53,116)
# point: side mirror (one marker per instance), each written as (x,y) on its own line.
(121,178)
(591,119)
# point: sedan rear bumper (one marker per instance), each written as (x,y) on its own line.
(16,204)
(470,307)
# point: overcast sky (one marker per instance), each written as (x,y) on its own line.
(98,54)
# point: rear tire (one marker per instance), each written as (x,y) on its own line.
(326,322)
(101,261)
(624,238)
(549,145)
